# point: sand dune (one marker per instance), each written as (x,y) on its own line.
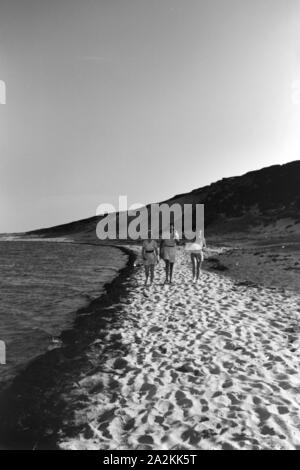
(207,366)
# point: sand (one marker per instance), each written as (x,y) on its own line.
(208,366)
(272,265)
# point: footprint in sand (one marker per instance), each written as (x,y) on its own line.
(266,430)
(193,437)
(149,390)
(233,399)
(129,425)
(263,414)
(283,410)
(146,440)
(215,370)
(227,384)
(256,400)
(182,401)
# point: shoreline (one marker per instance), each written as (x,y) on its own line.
(27,420)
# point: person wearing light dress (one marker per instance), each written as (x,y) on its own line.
(168,252)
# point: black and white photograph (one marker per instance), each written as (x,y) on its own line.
(149,227)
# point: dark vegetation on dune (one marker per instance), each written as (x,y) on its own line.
(258,198)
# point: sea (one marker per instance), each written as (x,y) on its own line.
(42,285)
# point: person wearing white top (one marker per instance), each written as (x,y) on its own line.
(197,255)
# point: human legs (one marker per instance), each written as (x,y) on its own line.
(199,264)
(196,259)
(171,271)
(198,269)
(167,269)
(146,274)
(194,262)
(151,273)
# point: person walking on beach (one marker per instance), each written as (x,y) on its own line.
(197,255)
(150,257)
(168,253)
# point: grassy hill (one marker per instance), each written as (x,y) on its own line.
(263,203)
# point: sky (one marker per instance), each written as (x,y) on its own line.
(143,98)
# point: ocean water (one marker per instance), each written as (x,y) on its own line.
(42,284)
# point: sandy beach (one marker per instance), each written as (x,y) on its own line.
(207,366)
